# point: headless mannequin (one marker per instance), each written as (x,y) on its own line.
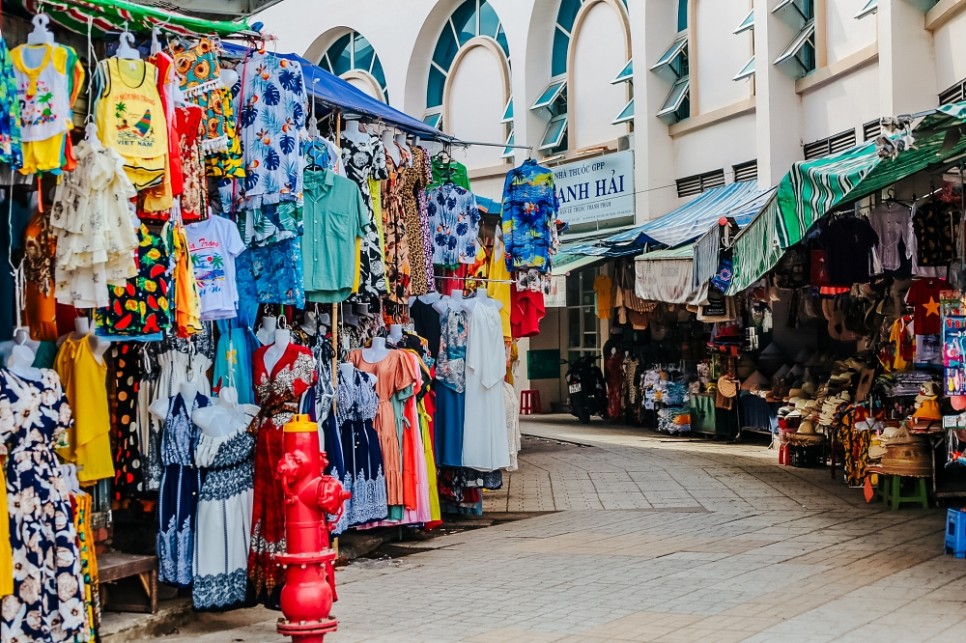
(377,352)
(225,417)
(21,337)
(82,329)
(395,333)
(453,302)
(267,330)
(353,130)
(391,148)
(346,370)
(401,142)
(283,337)
(481,298)
(21,362)
(430,299)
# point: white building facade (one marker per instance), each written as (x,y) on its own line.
(701,92)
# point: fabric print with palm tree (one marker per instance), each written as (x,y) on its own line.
(38,108)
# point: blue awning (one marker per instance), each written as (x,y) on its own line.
(737,201)
(334,92)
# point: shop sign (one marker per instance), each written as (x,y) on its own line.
(557,297)
(597,189)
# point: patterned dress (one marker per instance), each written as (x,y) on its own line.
(363,161)
(180,483)
(124,383)
(224,509)
(364,476)
(47,603)
(278,394)
(11,146)
(416,178)
(398,269)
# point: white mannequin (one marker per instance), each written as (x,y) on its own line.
(283,337)
(21,362)
(391,148)
(377,352)
(395,333)
(225,417)
(21,337)
(401,142)
(82,329)
(346,370)
(353,130)
(189,391)
(453,302)
(266,331)
(481,298)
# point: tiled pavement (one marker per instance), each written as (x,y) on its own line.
(654,539)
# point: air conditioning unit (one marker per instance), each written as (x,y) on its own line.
(217,9)
(625,142)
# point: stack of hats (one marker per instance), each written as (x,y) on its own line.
(833,407)
(927,414)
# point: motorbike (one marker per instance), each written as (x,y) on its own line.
(585,383)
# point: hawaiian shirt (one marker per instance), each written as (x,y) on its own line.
(271,103)
(444,170)
(11,150)
(530,206)
(454,225)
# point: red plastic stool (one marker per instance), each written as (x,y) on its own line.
(530,402)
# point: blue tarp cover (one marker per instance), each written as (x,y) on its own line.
(738,201)
(331,90)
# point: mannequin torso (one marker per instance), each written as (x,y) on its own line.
(282,338)
(377,352)
(266,331)
(391,148)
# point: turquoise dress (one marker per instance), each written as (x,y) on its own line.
(233,359)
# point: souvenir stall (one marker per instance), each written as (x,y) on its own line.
(208,240)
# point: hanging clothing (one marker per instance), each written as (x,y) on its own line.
(11,142)
(84,378)
(95,229)
(426,324)
(365,159)
(224,506)
(140,307)
(604,291)
(485,445)
(40,307)
(48,583)
(214,243)
(187,300)
(131,119)
(201,83)
(124,373)
(233,358)
(180,482)
(398,268)
(49,79)
(512,408)
(277,393)
(191,133)
(498,287)
(6,552)
(448,171)
(416,178)
(277,273)
(355,411)
(614,369)
(271,106)
(527,309)
(323,391)
(450,395)
(530,206)
(82,508)
(335,217)
(454,222)
(394,381)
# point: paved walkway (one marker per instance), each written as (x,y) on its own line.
(653,539)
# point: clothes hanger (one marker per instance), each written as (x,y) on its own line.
(125,48)
(41,35)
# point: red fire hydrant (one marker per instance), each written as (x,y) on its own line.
(309,588)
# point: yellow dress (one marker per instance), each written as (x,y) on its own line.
(500,291)
(6,552)
(85,384)
(435,512)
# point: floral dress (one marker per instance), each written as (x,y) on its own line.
(180,483)
(363,161)
(365,478)
(48,599)
(278,393)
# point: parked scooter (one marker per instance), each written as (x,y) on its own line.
(585,383)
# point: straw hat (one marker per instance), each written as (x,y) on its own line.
(727,387)
(806,428)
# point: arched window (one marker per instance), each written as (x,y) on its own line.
(473,24)
(554,99)
(351,56)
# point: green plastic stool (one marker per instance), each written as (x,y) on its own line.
(892,495)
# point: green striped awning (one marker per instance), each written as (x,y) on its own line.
(114,16)
(813,188)
(756,249)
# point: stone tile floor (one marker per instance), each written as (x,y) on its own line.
(653,538)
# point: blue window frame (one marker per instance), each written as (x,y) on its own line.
(354,52)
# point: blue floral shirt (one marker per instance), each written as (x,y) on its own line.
(530,208)
(454,223)
(271,107)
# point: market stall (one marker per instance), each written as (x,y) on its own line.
(206,240)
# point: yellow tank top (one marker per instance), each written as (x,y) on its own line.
(131,119)
(85,384)
(500,291)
